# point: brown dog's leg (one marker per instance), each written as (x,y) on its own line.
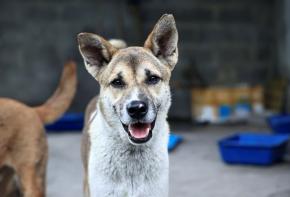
(41,174)
(30,182)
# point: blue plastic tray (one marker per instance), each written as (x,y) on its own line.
(280,123)
(68,122)
(260,149)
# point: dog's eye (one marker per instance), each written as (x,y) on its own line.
(118,83)
(152,80)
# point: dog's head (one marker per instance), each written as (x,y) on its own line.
(135,80)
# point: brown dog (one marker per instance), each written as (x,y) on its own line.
(23,144)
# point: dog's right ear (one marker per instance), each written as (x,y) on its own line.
(96,51)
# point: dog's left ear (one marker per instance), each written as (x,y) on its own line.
(96,51)
(162,41)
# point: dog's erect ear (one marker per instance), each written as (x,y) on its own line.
(162,41)
(96,51)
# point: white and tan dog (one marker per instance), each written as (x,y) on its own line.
(124,146)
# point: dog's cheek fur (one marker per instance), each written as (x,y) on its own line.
(107,105)
(161,96)
(114,101)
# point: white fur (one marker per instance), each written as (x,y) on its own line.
(118,43)
(121,169)
(92,116)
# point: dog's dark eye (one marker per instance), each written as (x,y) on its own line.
(118,83)
(152,80)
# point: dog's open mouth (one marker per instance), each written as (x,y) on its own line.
(139,132)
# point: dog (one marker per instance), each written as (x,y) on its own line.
(124,146)
(23,144)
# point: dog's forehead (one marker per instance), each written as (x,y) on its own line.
(134,56)
(134,61)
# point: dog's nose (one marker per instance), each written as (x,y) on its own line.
(137,109)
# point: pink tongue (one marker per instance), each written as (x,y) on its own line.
(139,130)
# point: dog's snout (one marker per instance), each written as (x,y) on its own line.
(137,109)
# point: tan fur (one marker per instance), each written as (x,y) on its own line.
(23,144)
(56,105)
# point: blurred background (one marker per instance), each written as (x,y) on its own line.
(222,43)
(234,67)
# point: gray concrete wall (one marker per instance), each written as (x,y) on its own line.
(283,44)
(283,31)
(226,41)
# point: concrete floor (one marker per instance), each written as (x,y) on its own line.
(195,167)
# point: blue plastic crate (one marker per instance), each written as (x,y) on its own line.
(225,112)
(173,141)
(260,149)
(68,122)
(280,123)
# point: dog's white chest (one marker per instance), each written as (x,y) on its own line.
(119,170)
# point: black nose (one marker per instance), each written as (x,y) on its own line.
(137,109)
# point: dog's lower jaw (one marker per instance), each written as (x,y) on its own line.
(139,141)
(117,168)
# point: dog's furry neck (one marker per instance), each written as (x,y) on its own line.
(119,168)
